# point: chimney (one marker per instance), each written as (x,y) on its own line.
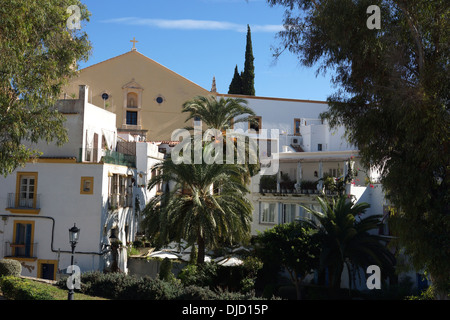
(83,93)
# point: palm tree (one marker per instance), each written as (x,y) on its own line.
(346,238)
(207,205)
(220,114)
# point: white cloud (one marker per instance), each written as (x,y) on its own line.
(190,24)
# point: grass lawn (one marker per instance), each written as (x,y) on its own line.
(60,294)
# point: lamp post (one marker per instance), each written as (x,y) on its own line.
(114,248)
(74,234)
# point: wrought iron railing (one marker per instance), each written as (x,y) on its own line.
(21,250)
(33,201)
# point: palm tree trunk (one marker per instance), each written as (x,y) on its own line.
(335,276)
(201,249)
(297,288)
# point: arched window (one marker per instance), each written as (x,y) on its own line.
(132,99)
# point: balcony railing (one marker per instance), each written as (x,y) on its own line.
(114,157)
(21,250)
(107,156)
(23,203)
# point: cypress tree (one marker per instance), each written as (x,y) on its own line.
(236,83)
(248,77)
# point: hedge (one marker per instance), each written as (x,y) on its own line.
(10,267)
(14,288)
(120,286)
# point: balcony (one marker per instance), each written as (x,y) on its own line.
(16,204)
(21,250)
(106,156)
(113,157)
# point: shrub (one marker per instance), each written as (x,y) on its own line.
(165,273)
(227,295)
(204,275)
(15,288)
(156,289)
(197,293)
(120,286)
(10,267)
(138,244)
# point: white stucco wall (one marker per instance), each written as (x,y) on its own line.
(58,185)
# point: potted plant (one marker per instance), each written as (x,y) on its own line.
(268,183)
(286,184)
(309,186)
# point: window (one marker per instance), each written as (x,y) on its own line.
(47,269)
(319,147)
(120,194)
(305,215)
(87,185)
(268,212)
(289,213)
(26,199)
(27,191)
(23,239)
(132,117)
(197,121)
(159,99)
(267,147)
(256,125)
(132,105)
(132,100)
(297,127)
(155,173)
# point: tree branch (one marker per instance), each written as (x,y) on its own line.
(415,34)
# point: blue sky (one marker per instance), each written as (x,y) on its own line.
(199,39)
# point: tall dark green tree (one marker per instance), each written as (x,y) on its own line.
(248,76)
(236,83)
(393,98)
(294,246)
(347,239)
(38,50)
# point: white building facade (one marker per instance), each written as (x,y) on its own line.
(85,182)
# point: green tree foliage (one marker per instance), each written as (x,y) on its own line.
(248,76)
(192,211)
(244,83)
(37,57)
(10,267)
(393,98)
(222,114)
(236,83)
(165,272)
(346,239)
(295,246)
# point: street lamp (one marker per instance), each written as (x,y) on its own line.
(114,241)
(74,234)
